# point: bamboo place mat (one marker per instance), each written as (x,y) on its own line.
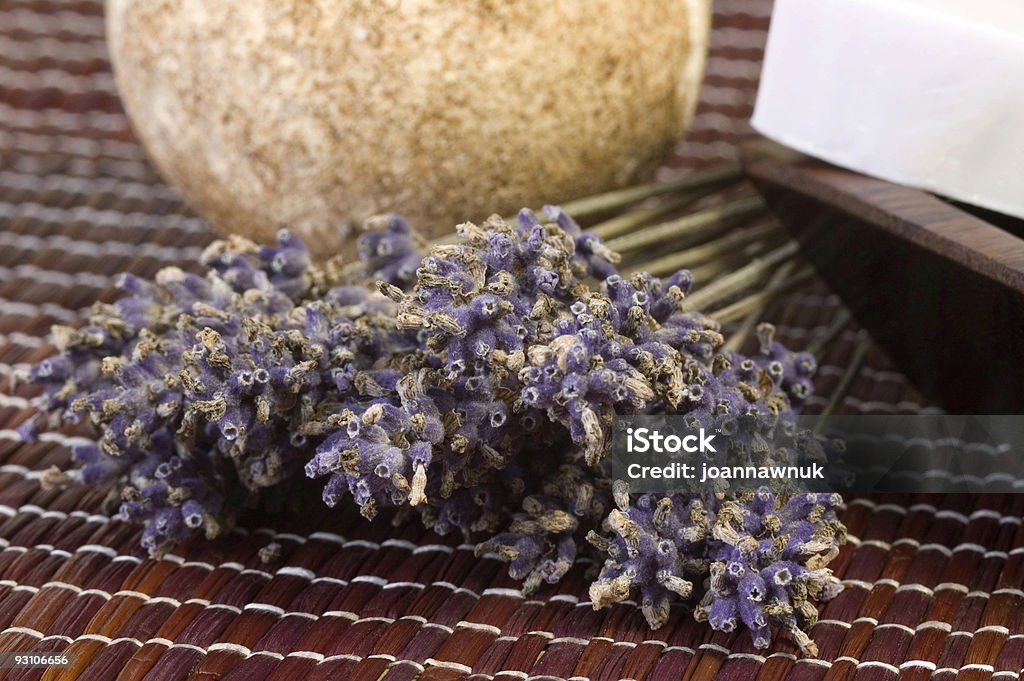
(932,584)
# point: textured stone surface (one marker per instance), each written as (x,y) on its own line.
(316,113)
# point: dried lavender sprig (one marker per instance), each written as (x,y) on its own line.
(852,369)
(616,199)
(755,302)
(754,316)
(716,248)
(694,227)
(742,278)
(717,268)
(639,217)
(767,564)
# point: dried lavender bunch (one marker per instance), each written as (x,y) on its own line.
(513,306)
(478,391)
(199,386)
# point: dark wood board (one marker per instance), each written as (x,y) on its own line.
(940,289)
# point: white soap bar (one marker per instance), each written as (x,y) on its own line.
(927,93)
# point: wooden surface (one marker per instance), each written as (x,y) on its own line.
(940,289)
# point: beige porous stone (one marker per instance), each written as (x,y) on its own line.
(314,114)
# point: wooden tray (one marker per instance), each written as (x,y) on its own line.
(941,289)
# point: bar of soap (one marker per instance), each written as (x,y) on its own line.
(926,93)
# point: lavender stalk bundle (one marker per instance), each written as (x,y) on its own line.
(475,386)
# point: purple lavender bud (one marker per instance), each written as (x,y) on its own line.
(723,616)
(192,514)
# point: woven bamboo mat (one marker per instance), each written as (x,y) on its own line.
(933,584)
